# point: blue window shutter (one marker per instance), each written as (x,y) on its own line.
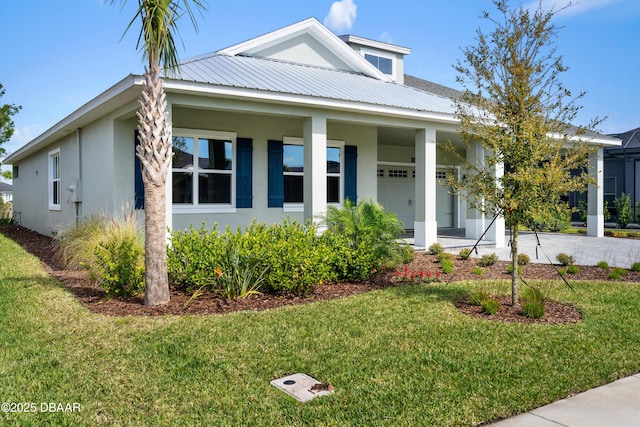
(275,178)
(244,173)
(351,173)
(137,171)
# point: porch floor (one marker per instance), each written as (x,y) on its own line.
(449,238)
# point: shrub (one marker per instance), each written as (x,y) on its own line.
(120,265)
(464,253)
(523,259)
(447,266)
(623,210)
(562,272)
(490,306)
(367,226)
(636,267)
(6,213)
(436,248)
(603,264)
(533,310)
(573,269)
(565,259)
(488,260)
(295,257)
(478,297)
(478,271)
(106,246)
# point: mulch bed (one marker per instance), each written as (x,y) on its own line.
(95,299)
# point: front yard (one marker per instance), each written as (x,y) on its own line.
(396,356)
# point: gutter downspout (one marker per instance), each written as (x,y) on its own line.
(78,199)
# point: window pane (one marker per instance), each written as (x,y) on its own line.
(182,152)
(610,185)
(293,189)
(333,189)
(214,154)
(214,188)
(385,65)
(55,166)
(56,192)
(333,160)
(182,187)
(293,158)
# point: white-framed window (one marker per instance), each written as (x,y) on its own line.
(203,171)
(384,63)
(53,181)
(293,171)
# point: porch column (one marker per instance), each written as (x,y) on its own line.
(496,232)
(475,223)
(595,196)
(169,181)
(425,226)
(315,167)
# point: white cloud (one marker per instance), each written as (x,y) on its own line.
(575,6)
(386,37)
(342,16)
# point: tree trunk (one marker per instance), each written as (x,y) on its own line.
(514,264)
(154,152)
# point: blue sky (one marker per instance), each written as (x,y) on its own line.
(58,55)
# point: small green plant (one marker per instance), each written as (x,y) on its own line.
(488,260)
(478,271)
(238,278)
(565,259)
(562,272)
(617,273)
(603,264)
(530,294)
(623,210)
(490,306)
(573,269)
(447,266)
(443,256)
(636,267)
(464,253)
(476,298)
(523,259)
(533,310)
(436,248)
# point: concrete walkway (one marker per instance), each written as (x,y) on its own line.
(615,404)
(586,250)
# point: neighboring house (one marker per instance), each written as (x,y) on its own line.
(6,192)
(284,124)
(622,169)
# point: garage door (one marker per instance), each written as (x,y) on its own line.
(396,192)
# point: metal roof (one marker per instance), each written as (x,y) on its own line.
(290,78)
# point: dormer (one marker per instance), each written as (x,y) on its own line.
(386,57)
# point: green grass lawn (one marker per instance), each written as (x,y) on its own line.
(399,356)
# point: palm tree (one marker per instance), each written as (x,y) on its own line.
(156,41)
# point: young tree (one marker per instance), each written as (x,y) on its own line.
(156,40)
(6,126)
(515,106)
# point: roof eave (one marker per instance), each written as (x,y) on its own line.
(107,101)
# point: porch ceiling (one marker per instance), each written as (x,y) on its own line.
(406,137)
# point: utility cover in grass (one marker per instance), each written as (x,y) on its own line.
(302,387)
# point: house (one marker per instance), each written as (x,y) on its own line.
(6,192)
(622,168)
(284,124)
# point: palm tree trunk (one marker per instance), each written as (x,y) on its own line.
(154,153)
